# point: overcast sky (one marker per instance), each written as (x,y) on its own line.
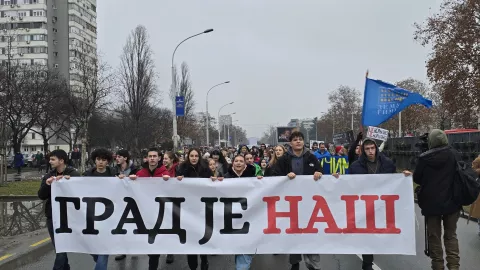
(282,57)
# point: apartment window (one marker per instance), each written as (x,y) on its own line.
(22,14)
(6,2)
(55,30)
(39,13)
(33,135)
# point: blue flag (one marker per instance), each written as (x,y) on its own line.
(382,101)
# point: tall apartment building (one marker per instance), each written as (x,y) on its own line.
(48,32)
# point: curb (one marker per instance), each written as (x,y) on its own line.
(29,256)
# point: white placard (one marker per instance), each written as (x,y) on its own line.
(377,133)
(355,214)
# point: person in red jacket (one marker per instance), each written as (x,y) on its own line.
(152,170)
(170,162)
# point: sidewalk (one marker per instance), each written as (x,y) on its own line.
(20,250)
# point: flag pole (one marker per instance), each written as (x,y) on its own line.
(363,113)
(400,124)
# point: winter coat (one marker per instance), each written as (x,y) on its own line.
(201,170)
(250,171)
(145,172)
(170,172)
(284,164)
(45,191)
(360,166)
(435,173)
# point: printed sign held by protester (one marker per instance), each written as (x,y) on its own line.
(283,133)
(377,133)
(275,216)
(343,138)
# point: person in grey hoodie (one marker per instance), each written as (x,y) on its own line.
(299,161)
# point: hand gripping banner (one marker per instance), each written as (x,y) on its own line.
(355,214)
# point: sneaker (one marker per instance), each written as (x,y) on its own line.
(170,259)
(120,257)
(295,266)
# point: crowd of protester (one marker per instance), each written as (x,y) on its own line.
(434,174)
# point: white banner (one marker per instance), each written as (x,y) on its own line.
(377,133)
(355,214)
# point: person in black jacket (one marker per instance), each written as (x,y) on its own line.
(195,167)
(240,168)
(57,160)
(101,157)
(354,150)
(435,173)
(299,161)
(371,161)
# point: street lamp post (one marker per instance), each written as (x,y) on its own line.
(219,126)
(174,88)
(208,118)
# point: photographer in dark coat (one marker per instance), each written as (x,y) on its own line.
(435,173)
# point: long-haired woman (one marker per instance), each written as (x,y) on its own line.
(195,167)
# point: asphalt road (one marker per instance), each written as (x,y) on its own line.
(467,234)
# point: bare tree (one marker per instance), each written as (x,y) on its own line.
(345,102)
(453,33)
(137,80)
(51,121)
(94,82)
(27,94)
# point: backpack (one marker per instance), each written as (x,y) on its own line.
(465,185)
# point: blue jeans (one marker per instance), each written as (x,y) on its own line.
(243,261)
(61,259)
(101,262)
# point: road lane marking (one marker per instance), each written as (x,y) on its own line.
(5,257)
(375,267)
(40,242)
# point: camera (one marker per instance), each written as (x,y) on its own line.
(422,145)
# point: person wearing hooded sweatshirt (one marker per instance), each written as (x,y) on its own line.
(372,161)
(435,173)
(195,167)
(57,160)
(299,161)
(240,168)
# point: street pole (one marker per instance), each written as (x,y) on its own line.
(228,136)
(208,117)
(316,129)
(219,125)
(174,89)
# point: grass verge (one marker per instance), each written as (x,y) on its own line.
(25,187)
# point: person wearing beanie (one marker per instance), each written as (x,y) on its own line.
(435,174)
(371,161)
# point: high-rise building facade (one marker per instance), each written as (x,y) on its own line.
(48,32)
